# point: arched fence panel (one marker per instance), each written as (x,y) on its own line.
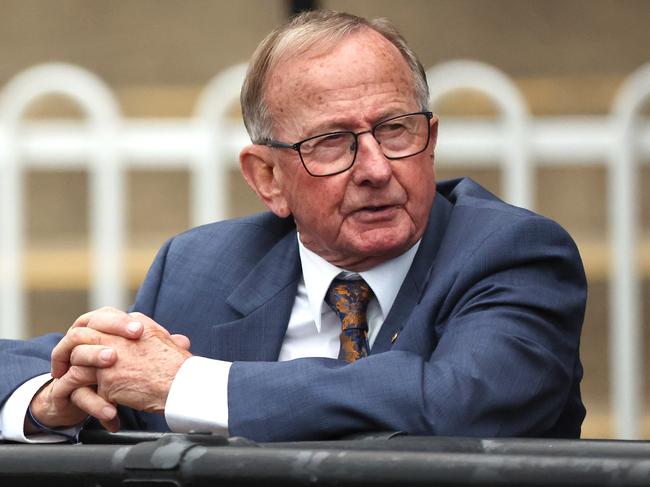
(96,146)
(625,302)
(107,144)
(507,136)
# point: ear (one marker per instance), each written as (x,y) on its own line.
(261,174)
(434,131)
(433,139)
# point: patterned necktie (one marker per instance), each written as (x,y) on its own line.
(349,300)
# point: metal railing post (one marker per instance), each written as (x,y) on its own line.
(106,185)
(454,75)
(625,349)
(210,178)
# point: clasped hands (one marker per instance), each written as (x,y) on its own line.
(106,358)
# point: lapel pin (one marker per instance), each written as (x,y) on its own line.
(394,337)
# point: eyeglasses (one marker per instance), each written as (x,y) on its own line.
(335,152)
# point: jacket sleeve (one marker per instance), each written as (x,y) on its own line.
(490,350)
(21,360)
(145,300)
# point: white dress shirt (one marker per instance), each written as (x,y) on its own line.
(313,331)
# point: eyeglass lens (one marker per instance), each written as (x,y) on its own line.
(398,138)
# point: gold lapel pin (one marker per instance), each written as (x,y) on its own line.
(394,337)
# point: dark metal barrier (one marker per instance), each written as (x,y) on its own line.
(384,459)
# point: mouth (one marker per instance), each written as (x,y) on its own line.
(375,208)
(372,213)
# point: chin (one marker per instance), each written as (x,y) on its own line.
(384,246)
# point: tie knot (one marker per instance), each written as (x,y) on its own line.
(349,299)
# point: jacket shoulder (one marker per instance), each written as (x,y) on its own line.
(480,221)
(466,193)
(242,235)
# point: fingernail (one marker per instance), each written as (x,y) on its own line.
(108,412)
(106,354)
(134,327)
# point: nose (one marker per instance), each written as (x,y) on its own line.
(371,166)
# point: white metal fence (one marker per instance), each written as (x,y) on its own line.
(106,144)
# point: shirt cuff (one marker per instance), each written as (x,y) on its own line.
(12,415)
(198,397)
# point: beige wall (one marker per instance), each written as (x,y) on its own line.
(550,46)
(135,42)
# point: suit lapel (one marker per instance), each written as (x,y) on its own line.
(265,298)
(417,278)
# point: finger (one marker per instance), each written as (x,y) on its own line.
(86,399)
(54,410)
(148,323)
(113,322)
(60,357)
(76,377)
(93,356)
(181,341)
(85,318)
(112,425)
(151,328)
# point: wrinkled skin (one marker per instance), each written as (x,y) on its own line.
(379,208)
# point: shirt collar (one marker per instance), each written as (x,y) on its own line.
(385,279)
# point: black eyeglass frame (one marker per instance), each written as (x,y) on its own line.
(296,146)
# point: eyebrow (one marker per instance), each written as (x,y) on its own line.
(345,125)
(336,125)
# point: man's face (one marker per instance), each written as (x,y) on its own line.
(379,208)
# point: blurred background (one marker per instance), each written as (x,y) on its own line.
(567,62)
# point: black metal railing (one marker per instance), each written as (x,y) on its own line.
(138,459)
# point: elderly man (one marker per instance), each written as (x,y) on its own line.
(368,299)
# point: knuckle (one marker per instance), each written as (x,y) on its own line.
(87,336)
(104,378)
(104,392)
(76,334)
(78,374)
(74,373)
(107,392)
(86,400)
(76,355)
(103,313)
(77,395)
(93,318)
(79,321)
(81,355)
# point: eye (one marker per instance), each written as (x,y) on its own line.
(391,128)
(332,140)
(328,143)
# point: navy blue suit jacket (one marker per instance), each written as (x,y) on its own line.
(488,322)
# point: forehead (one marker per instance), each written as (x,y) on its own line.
(362,72)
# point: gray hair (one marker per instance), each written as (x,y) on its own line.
(304,32)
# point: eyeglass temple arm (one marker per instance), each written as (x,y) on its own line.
(276,144)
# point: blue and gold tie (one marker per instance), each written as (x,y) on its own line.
(349,300)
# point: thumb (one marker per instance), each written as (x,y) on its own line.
(181,341)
